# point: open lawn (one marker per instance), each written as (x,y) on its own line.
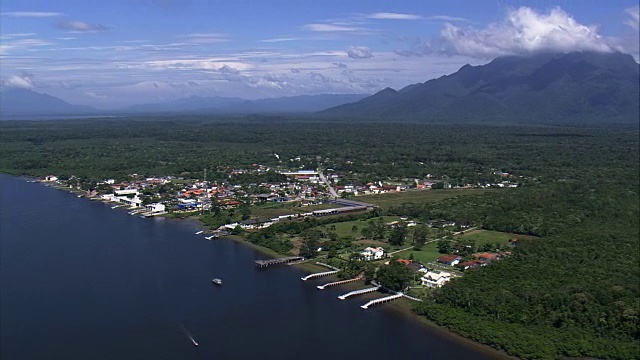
(346,228)
(427,254)
(482,237)
(416,196)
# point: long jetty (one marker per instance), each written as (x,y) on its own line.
(265,263)
(322,287)
(326,273)
(359,292)
(381,300)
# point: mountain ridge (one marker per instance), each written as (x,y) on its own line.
(548,87)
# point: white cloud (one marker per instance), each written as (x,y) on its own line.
(280,40)
(524,31)
(393,16)
(24,81)
(359,52)
(447,18)
(330,28)
(36,14)
(205,38)
(634,12)
(80,26)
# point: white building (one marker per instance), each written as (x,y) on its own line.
(126,192)
(156,208)
(373,253)
(435,280)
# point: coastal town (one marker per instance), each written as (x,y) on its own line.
(303,216)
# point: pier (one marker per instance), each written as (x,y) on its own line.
(359,292)
(382,300)
(326,273)
(322,287)
(328,266)
(265,263)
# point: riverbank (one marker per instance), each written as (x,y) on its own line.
(402,307)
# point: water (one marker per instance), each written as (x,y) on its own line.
(82,281)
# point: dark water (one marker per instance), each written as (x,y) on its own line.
(82,281)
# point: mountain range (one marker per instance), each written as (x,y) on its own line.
(576,87)
(18,101)
(224,105)
(583,87)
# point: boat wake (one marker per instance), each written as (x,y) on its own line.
(175,327)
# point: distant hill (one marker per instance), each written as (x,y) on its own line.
(574,87)
(223,105)
(18,101)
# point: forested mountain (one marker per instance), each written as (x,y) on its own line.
(224,105)
(573,87)
(18,101)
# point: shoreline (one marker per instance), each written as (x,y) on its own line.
(400,307)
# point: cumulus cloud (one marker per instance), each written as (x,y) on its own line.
(226,69)
(359,52)
(24,81)
(634,21)
(80,26)
(35,14)
(523,31)
(393,16)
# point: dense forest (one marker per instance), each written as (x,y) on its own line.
(573,292)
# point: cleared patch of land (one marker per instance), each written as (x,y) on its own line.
(278,209)
(482,237)
(416,196)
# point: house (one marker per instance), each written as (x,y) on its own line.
(435,280)
(415,266)
(50,178)
(514,242)
(156,208)
(473,264)
(449,259)
(373,253)
(486,257)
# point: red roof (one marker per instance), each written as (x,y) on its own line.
(404,261)
(486,255)
(448,258)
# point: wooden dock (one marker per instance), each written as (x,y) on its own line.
(266,263)
(381,300)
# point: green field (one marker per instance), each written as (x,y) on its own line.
(345,228)
(416,196)
(427,254)
(482,237)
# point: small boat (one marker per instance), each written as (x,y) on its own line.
(209,237)
(199,232)
(194,342)
(79,196)
(217,281)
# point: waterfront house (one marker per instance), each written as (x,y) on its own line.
(435,280)
(372,253)
(156,208)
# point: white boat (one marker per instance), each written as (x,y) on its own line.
(217,281)
(199,232)
(194,342)
(209,237)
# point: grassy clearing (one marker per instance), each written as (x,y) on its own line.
(416,196)
(345,228)
(482,237)
(427,254)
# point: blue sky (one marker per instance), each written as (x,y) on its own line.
(116,53)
